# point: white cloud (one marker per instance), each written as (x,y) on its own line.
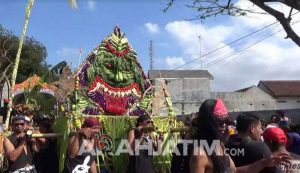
(273,58)
(258,20)
(266,61)
(174,62)
(187,35)
(152,27)
(253,19)
(91,5)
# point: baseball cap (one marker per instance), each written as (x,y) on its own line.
(275,134)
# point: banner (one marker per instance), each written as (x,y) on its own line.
(4,92)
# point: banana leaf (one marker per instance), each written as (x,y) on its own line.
(117,128)
(163,162)
(62,126)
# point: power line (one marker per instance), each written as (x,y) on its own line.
(228,44)
(257,42)
(228,55)
(223,58)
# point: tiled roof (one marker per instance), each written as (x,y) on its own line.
(282,88)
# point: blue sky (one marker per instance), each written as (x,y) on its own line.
(57,26)
(63,31)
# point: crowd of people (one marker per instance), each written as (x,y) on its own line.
(259,147)
(30,155)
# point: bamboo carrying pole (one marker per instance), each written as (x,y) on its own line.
(149,129)
(144,129)
(46,135)
(179,129)
(49,135)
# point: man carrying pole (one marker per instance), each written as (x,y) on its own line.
(19,148)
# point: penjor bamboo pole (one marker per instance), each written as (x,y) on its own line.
(16,65)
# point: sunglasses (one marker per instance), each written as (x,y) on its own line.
(220,122)
(19,124)
(149,122)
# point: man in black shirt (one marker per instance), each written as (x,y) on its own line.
(48,149)
(247,146)
(19,148)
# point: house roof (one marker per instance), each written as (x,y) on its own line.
(179,74)
(245,89)
(282,88)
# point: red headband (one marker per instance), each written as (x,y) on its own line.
(91,122)
(220,108)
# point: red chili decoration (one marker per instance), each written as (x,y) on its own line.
(115,52)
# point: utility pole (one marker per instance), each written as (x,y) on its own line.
(200,56)
(151,54)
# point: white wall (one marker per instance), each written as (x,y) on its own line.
(288,103)
(254,99)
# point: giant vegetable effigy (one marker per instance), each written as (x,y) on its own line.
(111,85)
(112,78)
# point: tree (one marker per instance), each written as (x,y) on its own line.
(29,6)
(6,46)
(209,8)
(32,61)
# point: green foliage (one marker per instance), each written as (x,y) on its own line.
(62,126)
(46,102)
(32,60)
(118,127)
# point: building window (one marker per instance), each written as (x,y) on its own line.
(281,101)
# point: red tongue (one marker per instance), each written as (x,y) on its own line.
(116,105)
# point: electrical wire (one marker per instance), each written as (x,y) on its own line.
(243,49)
(226,45)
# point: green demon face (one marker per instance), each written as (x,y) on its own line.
(113,78)
(116,71)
